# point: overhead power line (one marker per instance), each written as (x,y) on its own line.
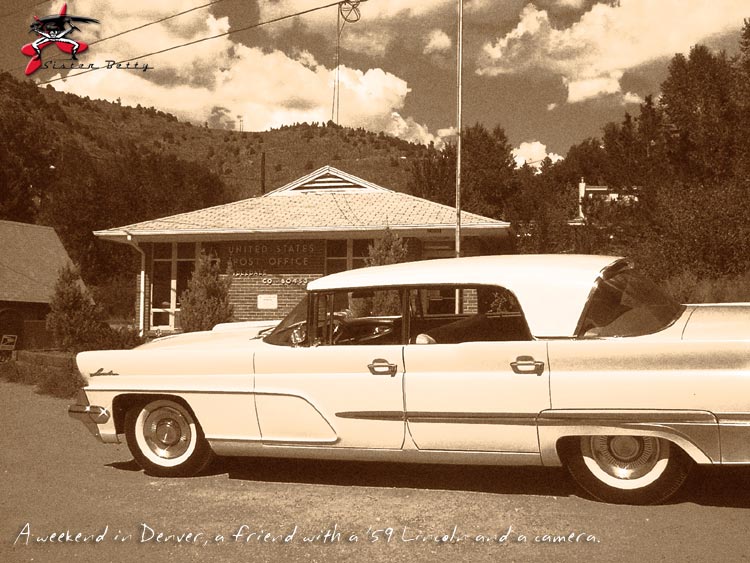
(348,12)
(166,18)
(19,10)
(161,20)
(195,42)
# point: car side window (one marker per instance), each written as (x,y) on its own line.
(359,317)
(455,314)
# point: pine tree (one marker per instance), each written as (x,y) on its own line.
(391,249)
(205,302)
(75,320)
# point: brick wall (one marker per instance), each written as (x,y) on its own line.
(274,283)
(288,290)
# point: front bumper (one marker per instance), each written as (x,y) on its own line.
(91,415)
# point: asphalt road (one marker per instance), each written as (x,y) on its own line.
(57,479)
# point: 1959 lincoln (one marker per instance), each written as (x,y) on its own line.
(508,360)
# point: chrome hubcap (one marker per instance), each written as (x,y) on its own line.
(167,432)
(625,457)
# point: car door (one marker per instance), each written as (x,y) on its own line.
(344,388)
(477,381)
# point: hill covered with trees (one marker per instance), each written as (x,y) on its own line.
(81,165)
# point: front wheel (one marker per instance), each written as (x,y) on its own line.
(627,469)
(166,440)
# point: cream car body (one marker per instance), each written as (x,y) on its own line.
(626,412)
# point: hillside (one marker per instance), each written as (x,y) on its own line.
(234,156)
(81,165)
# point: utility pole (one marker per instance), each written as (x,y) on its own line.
(459,121)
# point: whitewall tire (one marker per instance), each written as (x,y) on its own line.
(627,469)
(166,439)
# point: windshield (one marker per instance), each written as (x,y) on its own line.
(627,304)
(284,333)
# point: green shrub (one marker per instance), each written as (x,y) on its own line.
(687,287)
(205,302)
(77,322)
(116,296)
(74,319)
(390,249)
(9,371)
(60,384)
(50,379)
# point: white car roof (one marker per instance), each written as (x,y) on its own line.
(552,289)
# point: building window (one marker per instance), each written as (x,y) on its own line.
(348,254)
(173,265)
(438,249)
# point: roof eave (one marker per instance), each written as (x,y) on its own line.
(134,235)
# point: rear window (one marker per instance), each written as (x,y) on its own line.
(627,304)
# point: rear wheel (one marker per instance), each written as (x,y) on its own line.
(627,469)
(166,440)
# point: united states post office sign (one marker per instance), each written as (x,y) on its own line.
(272,257)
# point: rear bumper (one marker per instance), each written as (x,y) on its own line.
(90,415)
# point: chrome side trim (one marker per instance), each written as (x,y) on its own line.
(443,417)
(733,418)
(605,416)
(239,448)
(472,418)
(372,415)
(172,391)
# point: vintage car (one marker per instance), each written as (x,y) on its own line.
(507,360)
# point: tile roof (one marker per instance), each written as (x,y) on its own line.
(30,261)
(317,202)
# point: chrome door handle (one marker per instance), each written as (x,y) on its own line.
(382,367)
(527,365)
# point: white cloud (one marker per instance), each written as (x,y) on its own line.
(267,89)
(576,4)
(447,132)
(533,153)
(371,11)
(592,54)
(631,98)
(371,42)
(586,88)
(437,42)
(370,35)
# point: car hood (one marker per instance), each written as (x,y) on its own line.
(207,339)
(188,354)
(730,321)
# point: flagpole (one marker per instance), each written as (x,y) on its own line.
(459,72)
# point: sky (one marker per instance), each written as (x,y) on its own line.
(551,73)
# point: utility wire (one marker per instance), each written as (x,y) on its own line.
(157,21)
(339,29)
(348,12)
(19,10)
(166,18)
(189,43)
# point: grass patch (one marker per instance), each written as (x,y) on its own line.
(61,381)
